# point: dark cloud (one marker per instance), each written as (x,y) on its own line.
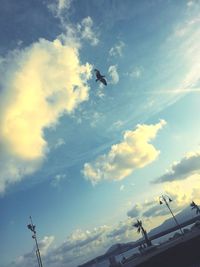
(70,245)
(134,212)
(155,211)
(119,231)
(181,170)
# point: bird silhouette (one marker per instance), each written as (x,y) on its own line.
(100,77)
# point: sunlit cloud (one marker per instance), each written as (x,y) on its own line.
(184,191)
(42,82)
(132,153)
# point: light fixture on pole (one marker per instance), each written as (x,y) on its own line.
(166,199)
(32,227)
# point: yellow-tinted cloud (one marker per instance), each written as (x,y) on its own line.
(123,158)
(42,82)
(183,192)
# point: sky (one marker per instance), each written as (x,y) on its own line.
(87,160)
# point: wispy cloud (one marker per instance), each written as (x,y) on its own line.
(57,179)
(87,32)
(122,187)
(58,7)
(84,30)
(178,91)
(133,152)
(135,72)
(117,49)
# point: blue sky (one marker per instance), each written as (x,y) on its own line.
(87,160)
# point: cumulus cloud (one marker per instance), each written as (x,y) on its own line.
(133,152)
(113,74)
(187,166)
(116,50)
(41,83)
(79,247)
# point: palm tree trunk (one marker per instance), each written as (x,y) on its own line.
(148,242)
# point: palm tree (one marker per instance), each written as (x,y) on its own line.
(193,205)
(141,229)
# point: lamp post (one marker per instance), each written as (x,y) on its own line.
(32,227)
(166,199)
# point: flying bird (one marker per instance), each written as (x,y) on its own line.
(100,77)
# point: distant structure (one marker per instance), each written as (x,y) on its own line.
(32,227)
(166,199)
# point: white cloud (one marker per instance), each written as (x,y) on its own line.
(41,83)
(57,179)
(83,31)
(122,187)
(117,124)
(79,247)
(113,74)
(100,91)
(45,244)
(135,73)
(116,50)
(58,7)
(123,158)
(87,32)
(190,3)
(59,142)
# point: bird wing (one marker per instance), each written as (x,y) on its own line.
(98,75)
(103,81)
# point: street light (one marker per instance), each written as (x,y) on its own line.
(166,199)
(32,227)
